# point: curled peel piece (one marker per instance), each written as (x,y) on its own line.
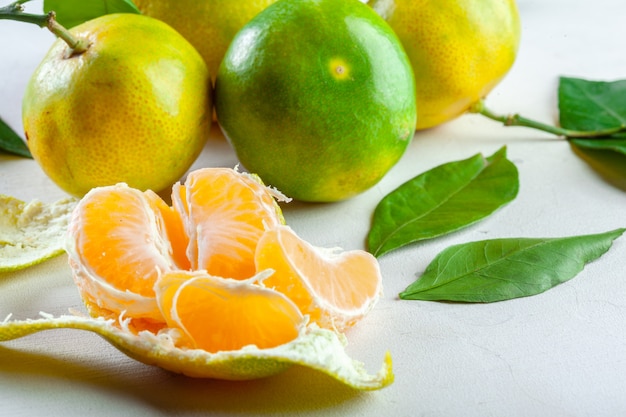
(316,348)
(33,232)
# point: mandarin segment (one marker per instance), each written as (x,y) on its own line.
(335,288)
(218,314)
(117,245)
(173,223)
(225,212)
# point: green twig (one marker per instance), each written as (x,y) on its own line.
(517,120)
(15,11)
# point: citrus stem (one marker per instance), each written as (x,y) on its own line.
(15,11)
(517,120)
(77,44)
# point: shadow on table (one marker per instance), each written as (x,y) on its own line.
(297,389)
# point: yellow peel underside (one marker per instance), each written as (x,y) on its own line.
(315,348)
(33,232)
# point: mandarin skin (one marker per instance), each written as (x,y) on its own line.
(459,50)
(210,25)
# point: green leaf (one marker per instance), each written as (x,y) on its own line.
(502,269)
(11,142)
(594,106)
(74,12)
(607,157)
(591,105)
(442,200)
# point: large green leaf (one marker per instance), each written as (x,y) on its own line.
(11,142)
(591,105)
(74,12)
(595,106)
(443,199)
(502,269)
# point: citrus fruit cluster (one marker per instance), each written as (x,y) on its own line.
(218,266)
(320,98)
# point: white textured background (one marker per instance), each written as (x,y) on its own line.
(561,353)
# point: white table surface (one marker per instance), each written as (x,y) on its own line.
(561,353)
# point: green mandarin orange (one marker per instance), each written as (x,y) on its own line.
(317,98)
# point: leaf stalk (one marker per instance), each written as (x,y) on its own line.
(15,11)
(516,120)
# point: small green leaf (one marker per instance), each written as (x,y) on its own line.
(442,200)
(502,269)
(11,142)
(74,12)
(591,105)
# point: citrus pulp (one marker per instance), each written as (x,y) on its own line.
(134,108)
(135,257)
(460,50)
(317,98)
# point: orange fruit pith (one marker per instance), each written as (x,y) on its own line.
(117,245)
(225,213)
(217,314)
(334,288)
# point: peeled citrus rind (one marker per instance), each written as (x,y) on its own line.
(33,232)
(316,348)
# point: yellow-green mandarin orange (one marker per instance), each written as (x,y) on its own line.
(317,97)
(135,107)
(460,50)
(210,25)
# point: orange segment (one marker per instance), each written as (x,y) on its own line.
(218,314)
(174,228)
(225,212)
(335,289)
(117,245)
